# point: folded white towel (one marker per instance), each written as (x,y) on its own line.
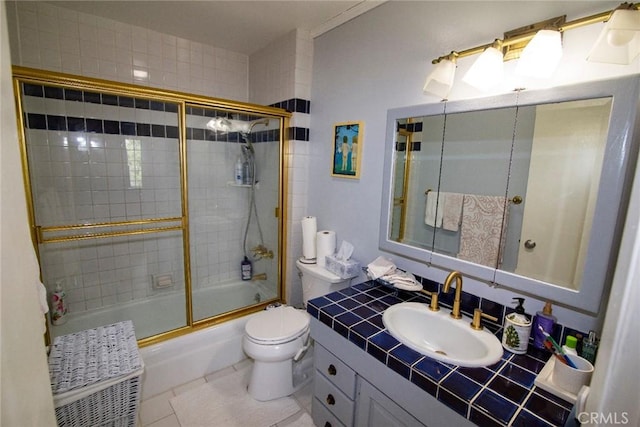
(403,280)
(380,267)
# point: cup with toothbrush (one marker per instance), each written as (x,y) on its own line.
(570,372)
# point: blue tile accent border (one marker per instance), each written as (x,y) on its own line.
(81,124)
(294,105)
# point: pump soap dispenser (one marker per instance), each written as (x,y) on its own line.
(517,328)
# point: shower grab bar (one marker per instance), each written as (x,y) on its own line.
(108,224)
(42,239)
(40,230)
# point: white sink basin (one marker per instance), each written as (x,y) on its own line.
(441,337)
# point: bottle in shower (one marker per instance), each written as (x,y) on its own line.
(246,269)
(247,172)
(58,305)
(238,172)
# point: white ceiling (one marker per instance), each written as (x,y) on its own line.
(237,25)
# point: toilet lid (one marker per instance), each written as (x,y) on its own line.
(277,324)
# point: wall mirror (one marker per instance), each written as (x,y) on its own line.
(524,190)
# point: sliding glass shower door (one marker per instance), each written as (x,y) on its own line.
(135,210)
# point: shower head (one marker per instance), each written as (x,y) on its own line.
(222,124)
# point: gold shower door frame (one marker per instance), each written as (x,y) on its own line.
(92,231)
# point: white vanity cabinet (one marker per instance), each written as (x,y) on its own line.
(342,398)
(334,390)
(351,388)
(375,409)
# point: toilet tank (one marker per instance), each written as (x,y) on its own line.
(318,281)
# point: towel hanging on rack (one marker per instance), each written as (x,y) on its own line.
(481,237)
(432,216)
(451,210)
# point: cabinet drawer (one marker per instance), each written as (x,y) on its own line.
(333,399)
(322,417)
(335,370)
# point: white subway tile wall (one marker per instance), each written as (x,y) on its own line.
(58,39)
(282,71)
(49,37)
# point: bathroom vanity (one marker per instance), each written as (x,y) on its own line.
(344,397)
(364,377)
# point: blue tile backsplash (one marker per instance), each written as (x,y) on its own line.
(502,394)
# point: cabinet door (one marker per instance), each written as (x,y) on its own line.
(374,409)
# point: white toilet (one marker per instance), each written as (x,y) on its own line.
(279,337)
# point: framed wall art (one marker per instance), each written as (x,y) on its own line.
(347,147)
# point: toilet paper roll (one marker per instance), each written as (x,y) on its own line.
(309,231)
(325,245)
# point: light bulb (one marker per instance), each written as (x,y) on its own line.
(487,71)
(541,56)
(619,38)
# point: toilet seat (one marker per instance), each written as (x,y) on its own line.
(277,326)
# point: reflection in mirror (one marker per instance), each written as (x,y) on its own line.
(401,168)
(563,166)
(554,163)
(471,211)
(420,165)
(452,197)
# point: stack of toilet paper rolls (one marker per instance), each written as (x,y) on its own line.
(316,245)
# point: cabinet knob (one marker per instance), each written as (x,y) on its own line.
(332,370)
(330,400)
(530,244)
(327,424)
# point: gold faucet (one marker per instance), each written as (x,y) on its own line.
(455,312)
(261,276)
(433,305)
(261,252)
(477,319)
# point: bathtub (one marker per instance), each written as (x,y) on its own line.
(166,312)
(192,356)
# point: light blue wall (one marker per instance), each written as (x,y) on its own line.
(379,61)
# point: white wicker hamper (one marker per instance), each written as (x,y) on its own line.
(95,376)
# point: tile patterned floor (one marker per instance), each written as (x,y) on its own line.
(157,411)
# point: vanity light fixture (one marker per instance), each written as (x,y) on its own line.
(440,81)
(619,43)
(542,55)
(488,70)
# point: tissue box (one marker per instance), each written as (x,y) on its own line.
(344,269)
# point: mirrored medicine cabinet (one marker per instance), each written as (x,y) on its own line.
(525,190)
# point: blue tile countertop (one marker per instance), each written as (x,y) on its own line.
(499,395)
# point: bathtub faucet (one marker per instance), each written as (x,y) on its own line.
(261,276)
(260,252)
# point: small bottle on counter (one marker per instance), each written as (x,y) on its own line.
(545,320)
(570,344)
(590,347)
